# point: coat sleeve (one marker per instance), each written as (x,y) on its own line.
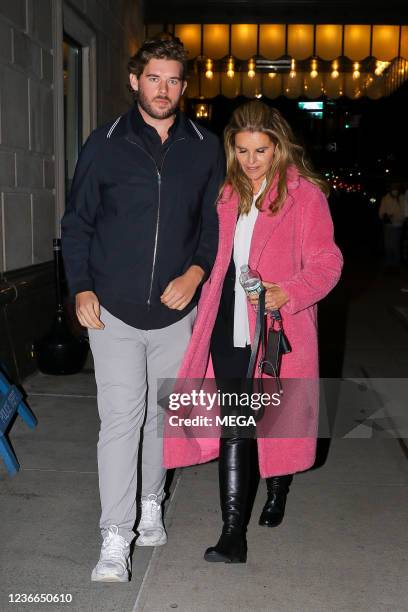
(78,222)
(321,259)
(208,243)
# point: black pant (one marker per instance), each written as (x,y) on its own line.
(230,363)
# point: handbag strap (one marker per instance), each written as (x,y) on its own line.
(259,336)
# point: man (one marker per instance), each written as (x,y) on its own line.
(139,237)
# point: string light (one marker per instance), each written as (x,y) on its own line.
(230,68)
(356,73)
(292,72)
(251,68)
(313,72)
(209,69)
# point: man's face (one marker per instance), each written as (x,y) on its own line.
(159,87)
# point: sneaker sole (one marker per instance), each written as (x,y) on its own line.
(109,578)
(161,542)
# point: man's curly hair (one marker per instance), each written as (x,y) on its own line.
(162,46)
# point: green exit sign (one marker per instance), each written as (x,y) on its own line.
(311,106)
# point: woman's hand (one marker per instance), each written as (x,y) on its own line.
(275,297)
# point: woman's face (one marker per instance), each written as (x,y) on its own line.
(254,152)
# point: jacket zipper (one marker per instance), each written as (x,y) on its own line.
(159,181)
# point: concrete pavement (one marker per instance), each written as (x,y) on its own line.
(342,546)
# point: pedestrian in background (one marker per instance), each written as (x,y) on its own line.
(392,215)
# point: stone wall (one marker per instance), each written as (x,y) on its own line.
(26,133)
(27,223)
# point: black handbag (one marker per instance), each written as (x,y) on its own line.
(273,346)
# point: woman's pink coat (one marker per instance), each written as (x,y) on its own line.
(296,250)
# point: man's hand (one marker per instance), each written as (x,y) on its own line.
(88,310)
(275,297)
(180,291)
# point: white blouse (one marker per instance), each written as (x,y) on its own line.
(242,244)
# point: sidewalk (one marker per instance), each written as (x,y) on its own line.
(341,547)
(343,544)
(50,511)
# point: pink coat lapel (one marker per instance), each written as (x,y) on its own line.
(266,224)
(228,212)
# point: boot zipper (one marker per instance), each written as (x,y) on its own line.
(159,181)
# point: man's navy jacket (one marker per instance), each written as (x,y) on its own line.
(133,225)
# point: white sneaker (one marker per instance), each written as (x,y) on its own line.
(151,529)
(114,563)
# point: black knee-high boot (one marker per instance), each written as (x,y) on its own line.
(274,509)
(234,468)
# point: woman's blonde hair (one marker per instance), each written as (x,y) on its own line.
(258,117)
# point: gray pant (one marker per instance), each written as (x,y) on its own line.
(128,362)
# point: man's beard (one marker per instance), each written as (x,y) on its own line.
(147,107)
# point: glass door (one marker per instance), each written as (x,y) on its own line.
(73,106)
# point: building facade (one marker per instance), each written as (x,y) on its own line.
(62,73)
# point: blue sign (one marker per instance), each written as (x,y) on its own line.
(11,402)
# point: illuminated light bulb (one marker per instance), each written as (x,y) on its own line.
(258,95)
(313,72)
(356,73)
(292,72)
(251,69)
(335,70)
(209,69)
(380,67)
(230,68)
(271,75)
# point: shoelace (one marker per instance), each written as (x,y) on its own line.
(114,545)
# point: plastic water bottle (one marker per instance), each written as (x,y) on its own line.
(250,280)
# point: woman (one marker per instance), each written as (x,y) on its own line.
(273,216)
